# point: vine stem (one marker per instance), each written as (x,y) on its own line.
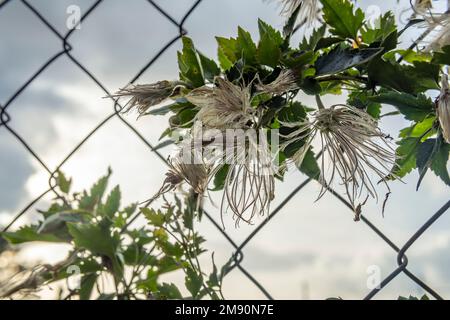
(319,102)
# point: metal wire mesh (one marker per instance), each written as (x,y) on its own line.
(238,255)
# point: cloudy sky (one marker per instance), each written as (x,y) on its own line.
(310,250)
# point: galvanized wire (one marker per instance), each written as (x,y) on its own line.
(238,255)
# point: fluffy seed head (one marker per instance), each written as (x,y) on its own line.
(196,175)
(354,146)
(226,106)
(144,96)
(308,10)
(286,81)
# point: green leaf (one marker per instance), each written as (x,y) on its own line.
(424,157)
(209,67)
(442,57)
(87,285)
(314,39)
(213,280)
(169,291)
(406,156)
(413,108)
(183,118)
(193,282)
(384,26)
(28,234)
(309,165)
(89,201)
(361,100)
(410,56)
(269,51)
(266,29)
(414,79)
(289,27)
(439,163)
(433,154)
(190,70)
(422,129)
(227,52)
(344,22)
(295,59)
(95,238)
(245,47)
(155,218)
(112,203)
(293,113)
(63,183)
(57,221)
(340,59)
(219,178)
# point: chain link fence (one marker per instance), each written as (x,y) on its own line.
(238,255)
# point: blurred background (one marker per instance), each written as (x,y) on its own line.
(310,250)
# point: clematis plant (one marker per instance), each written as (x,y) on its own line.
(264,85)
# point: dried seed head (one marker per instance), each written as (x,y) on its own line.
(196,175)
(250,182)
(286,81)
(226,106)
(354,145)
(422,6)
(308,11)
(144,96)
(443,108)
(441,39)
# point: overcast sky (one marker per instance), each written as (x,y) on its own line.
(310,250)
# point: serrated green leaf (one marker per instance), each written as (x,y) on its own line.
(266,29)
(412,107)
(384,26)
(63,183)
(87,285)
(442,57)
(190,70)
(423,129)
(406,156)
(424,156)
(57,221)
(169,291)
(361,100)
(404,78)
(245,47)
(154,217)
(193,282)
(209,67)
(219,178)
(293,113)
(343,20)
(29,234)
(340,59)
(269,47)
(440,160)
(112,203)
(268,52)
(95,238)
(316,36)
(309,165)
(89,201)
(227,52)
(289,27)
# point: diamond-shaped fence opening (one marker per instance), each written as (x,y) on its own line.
(7,120)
